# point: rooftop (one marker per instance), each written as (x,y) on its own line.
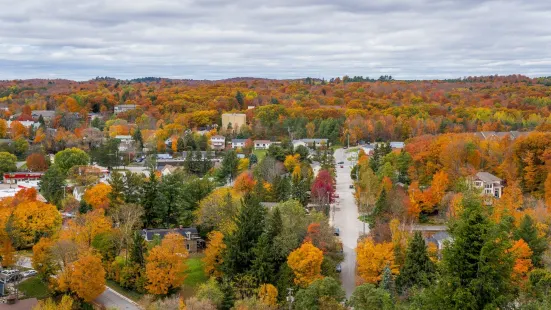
(487,177)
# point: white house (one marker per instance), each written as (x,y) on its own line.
(489,183)
(26,124)
(262,144)
(238,143)
(218,142)
(126,142)
(310,142)
(124,107)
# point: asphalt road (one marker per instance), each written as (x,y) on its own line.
(113,300)
(346,219)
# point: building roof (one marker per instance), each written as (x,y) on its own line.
(262,141)
(149,234)
(397,145)
(312,140)
(125,106)
(235,114)
(44,113)
(238,140)
(123,137)
(6,141)
(485,135)
(487,177)
(218,137)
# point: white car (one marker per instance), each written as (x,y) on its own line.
(9,272)
(29,273)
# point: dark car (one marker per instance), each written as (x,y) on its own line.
(337,231)
(351,186)
(338,268)
(341,163)
(342,166)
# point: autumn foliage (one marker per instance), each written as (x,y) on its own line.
(306,264)
(98,196)
(373,258)
(166,264)
(213,254)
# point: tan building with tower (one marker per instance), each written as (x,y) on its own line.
(235,119)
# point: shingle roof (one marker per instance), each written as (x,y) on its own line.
(148,234)
(487,177)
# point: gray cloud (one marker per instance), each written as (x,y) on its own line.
(214,39)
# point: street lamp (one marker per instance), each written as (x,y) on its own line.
(290,298)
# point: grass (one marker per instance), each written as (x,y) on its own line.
(34,287)
(133,295)
(195,275)
(260,154)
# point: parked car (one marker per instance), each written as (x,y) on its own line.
(341,163)
(336,196)
(29,273)
(351,186)
(9,272)
(338,268)
(337,231)
(342,166)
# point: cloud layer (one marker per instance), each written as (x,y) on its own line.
(215,39)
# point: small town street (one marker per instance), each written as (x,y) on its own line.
(346,219)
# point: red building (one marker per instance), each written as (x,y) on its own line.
(14,177)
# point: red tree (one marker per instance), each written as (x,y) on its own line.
(322,191)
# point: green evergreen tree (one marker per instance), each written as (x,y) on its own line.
(84,207)
(230,163)
(117,188)
(263,266)
(137,137)
(476,266)
(138,249)
(387,282)
(52,185)
(240,99)
(379,209)
(528,232)
(229,294)
(310,297)
(282,188)
(152,202)
(418,269)
(239,253)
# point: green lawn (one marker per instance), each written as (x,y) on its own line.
(195,275)
(34,287)
(260,154)
(133,295)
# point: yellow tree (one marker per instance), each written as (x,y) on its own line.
(218,209)
(84,228)
(98,196)
(267,293)
(291,161)
(166,265)
(213,254)
(7,252)
(3,128)
(243,165)
(87,276)
(34,219)
(509,203)
(244,182)
(42,259)
(373,258)
(306,264)
(66,303)
(436,191)
(547,188)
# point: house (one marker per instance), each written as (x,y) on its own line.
(93,116)
(164,156)
(311,143)
(168,170)
(238,143)
(47,115)
(124,107)
(14,177)
(193,241)
(496,135)
(7,142)
(233,120)
(218,142)
(262,144)
(204,154)
(436,234)
(26,124)
(488,183)
(126,142)
(4,107)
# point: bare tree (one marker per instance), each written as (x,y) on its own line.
(127,218)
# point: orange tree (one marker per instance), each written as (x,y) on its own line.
(213,254)
(166,265)
(373,258)
(306,264)
(98,196)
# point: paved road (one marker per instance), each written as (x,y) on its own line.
(346,219)
(112,300)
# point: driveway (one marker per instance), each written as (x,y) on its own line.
(346,219)
(113,300)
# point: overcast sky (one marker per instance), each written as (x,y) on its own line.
(216,39)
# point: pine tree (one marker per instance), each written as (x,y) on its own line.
(418,269)
(263,266)
(52,185)
(152,202)
(180,146)
(250,225)
(117,188)
(138,249)
(379,209)
(240,99)
(282,188)
(529,233)
(387,282)
(476,266)
(137,136)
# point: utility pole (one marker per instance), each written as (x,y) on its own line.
(290,298)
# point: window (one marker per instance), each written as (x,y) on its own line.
(187,247)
